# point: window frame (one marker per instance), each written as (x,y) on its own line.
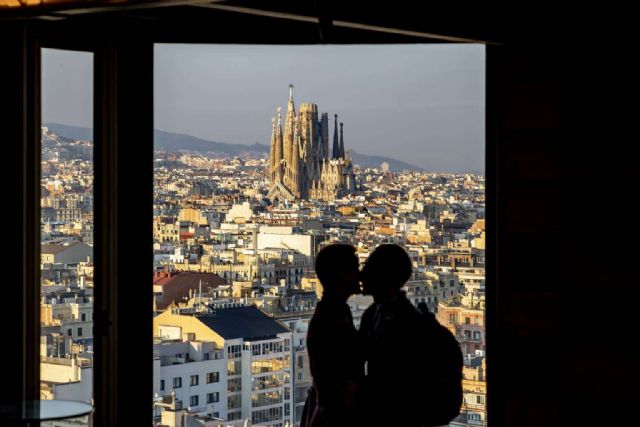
(124,91)
(197,400)
(178,381)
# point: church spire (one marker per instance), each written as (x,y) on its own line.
(336,146)
(342,154)
(289,129)
(278,148)
(272,150)
(324,135)
(295,158)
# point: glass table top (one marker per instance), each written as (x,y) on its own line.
(44,410)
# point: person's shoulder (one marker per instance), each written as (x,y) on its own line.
(402,304)
(367,316)
(370,309)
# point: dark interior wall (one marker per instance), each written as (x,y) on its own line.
(19,128)
(560,322)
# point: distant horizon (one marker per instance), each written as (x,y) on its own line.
(266,147)
(420,104)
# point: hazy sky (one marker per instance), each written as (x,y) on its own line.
(67,87)
(423,104)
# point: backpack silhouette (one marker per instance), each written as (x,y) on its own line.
(440,381)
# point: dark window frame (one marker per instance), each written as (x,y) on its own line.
(195,398)
(177,382)
(213,376)
(123,117)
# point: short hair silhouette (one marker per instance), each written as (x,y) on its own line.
(334,259)
(390,265)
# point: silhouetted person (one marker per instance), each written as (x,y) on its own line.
(335,357)
(414,365)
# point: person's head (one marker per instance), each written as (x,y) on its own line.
(386,270)
(337,269)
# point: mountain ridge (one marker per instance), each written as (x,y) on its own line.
(170,141)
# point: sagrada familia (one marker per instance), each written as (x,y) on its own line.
(300,167)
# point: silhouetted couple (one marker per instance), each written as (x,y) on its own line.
(413,364)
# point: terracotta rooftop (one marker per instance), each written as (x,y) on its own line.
(177,286)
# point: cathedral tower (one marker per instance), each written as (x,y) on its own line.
(289,128)
(336,146)
(278,150)
(324,135)
(301,166)
(272,151)
(342,154)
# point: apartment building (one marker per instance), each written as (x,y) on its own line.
(231,363)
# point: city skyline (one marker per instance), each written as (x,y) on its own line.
(422,104)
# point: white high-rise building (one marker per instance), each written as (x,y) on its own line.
(232,363)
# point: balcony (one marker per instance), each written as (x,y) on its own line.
(462,420)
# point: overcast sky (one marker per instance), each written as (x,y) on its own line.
(423,104)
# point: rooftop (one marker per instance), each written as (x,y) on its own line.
(177,286)
(248,323)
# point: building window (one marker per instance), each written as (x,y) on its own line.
(234,351)
(467,320)
(234,367)
(177,382)
(266,382)
(79,332)
(193,401)
(266,399)
(213,397)
(162,385)
(213,377)
(234,402)
(266,415)
(83,316)
(234,384)
(452,318)
(232,416)
(194,380)
(264,366)
(69,332)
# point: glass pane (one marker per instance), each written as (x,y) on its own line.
(66,274)
(266,154)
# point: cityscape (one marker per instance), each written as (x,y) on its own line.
(233,280)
